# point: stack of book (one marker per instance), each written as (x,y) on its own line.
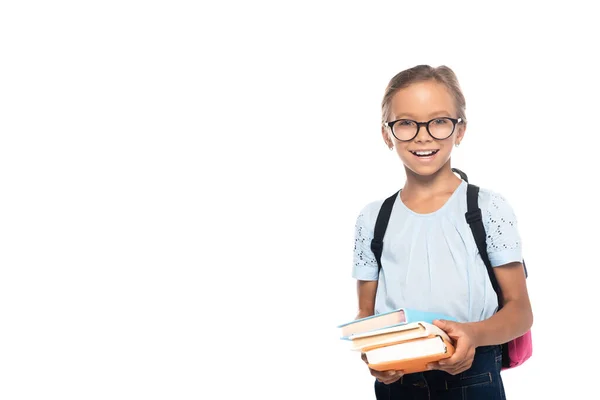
(402,339)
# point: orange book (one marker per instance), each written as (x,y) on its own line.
(409,356)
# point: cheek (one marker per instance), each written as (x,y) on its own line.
(446,151)
(403,153)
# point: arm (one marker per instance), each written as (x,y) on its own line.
(366,273)
(504,251)
(365,269)
(515,318)
(366,291)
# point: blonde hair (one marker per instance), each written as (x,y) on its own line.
(421,73)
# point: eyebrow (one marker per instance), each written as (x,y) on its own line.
(431,115)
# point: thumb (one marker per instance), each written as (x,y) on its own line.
(363,356)
(446,326)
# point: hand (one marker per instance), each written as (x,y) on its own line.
(464,337)
(385,377)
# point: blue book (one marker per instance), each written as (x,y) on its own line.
(396,317)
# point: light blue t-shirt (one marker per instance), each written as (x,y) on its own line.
(430,261)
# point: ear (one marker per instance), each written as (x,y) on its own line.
(461,133)
(386,137)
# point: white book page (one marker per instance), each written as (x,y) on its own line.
(402,351)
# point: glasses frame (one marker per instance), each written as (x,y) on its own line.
(390,126)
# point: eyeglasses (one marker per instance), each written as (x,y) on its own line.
(406,130)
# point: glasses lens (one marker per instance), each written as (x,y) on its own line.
(441,128)
(405,129)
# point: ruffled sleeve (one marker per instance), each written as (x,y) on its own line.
(365,265)
(503,239)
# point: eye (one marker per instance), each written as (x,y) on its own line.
(440,121)
(405,122)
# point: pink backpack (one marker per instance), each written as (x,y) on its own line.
(518,350)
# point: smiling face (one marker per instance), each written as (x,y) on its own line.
(422,102)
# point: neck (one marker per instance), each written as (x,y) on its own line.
(441,181)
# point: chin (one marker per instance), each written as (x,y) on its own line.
(421,171)
(425,170)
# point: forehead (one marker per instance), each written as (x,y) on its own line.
(421,100)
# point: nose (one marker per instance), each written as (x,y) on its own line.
(423,135)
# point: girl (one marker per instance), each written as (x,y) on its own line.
(430,259)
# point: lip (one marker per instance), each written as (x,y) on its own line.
(425,158)
(435,150)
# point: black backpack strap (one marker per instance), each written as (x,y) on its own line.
(381,225)
(475,220)
(462,175)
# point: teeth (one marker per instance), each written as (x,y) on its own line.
(424,153)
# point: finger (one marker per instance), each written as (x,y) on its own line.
(451,370)
(383,374)
(456,371)
(459,357)
(463,366)
(433,365)
(445,325)
(391,380)
(458,368)
(450,362)
(396,378)
(440,323)
(387,376)
(460,354)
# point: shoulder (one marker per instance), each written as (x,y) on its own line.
(498,215)
(492,201)
(500,222)
(367,215)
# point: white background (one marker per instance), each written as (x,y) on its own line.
(179,184)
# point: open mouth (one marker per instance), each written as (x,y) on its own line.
(424,153)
